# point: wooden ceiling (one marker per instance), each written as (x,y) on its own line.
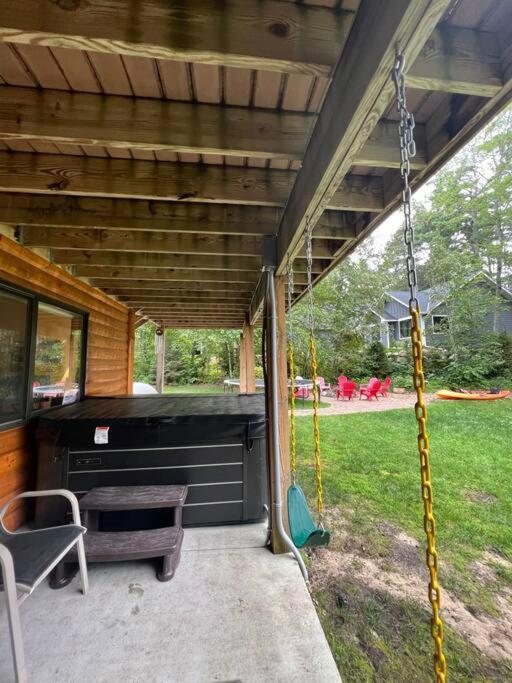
(151,145)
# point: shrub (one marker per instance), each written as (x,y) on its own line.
(376,361)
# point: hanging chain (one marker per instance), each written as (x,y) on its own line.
(291,363)
(314,372)
(408,150)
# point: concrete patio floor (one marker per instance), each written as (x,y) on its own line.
(233,612)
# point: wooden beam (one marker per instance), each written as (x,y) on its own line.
(198,319)
(148,242)
(130,352)
(207,307)
(60,117)
(262,35)
(160,359)
(119,285)
(118,178)
(381,149)
(83,255)
(148,300)
(247,377)
(107,260)
(238,277)
(458,60)
(265,34)
(154,216)
(359,94)
(197,325)
(131,214)
(150,124)
(135,296)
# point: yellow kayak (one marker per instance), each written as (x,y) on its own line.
(471,395)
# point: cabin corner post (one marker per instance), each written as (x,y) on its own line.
(277,543)
(247,381)
(130,350)
(160,359)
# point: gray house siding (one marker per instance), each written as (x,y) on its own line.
(504,320)
(436,339)
(393,310)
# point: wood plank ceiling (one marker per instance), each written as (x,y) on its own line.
(150,146)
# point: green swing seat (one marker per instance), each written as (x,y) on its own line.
(303,530)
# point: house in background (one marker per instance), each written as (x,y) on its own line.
(395,321)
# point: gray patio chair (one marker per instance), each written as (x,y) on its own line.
(27,557)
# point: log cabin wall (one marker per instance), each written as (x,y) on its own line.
(109,365)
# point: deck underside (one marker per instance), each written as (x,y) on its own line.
(150,147)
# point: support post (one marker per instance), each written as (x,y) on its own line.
(160,357)
(277,543)
(247,381)
(243,363)
(130,352)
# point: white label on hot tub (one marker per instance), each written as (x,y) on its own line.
(101,434)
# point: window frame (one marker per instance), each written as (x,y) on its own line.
(400,321)
(440,315)
(33,299)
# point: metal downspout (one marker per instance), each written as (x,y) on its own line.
(277,503)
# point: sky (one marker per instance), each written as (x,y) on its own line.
(392,223)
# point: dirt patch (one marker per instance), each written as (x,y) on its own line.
(495,557)
(479,497)
(404,551)
(482,571)
(492,636)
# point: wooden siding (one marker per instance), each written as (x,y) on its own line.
(109,366)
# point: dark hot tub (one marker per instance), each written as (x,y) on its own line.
(214,444)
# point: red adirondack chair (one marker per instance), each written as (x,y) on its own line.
(385,386)
(370,390)
(341,380)
(301,392)
(346,390)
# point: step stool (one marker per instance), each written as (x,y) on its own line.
(115,546)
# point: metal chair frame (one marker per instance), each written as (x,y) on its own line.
(11,587)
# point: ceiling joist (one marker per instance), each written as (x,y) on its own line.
(266,34)
(159,216)
(123,178)
(60,117)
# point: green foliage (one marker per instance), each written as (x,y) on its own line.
(376,360)
(191,356)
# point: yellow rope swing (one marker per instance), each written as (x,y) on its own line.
(303,530)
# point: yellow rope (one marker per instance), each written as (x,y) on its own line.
(434,591)
(318,460)
(293,436)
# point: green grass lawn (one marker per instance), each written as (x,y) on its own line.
(371,479)
(194,389)
(219,389)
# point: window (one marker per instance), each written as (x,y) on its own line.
(14,344)
(405,328)
(57,362)
(41,355)
(439,324)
